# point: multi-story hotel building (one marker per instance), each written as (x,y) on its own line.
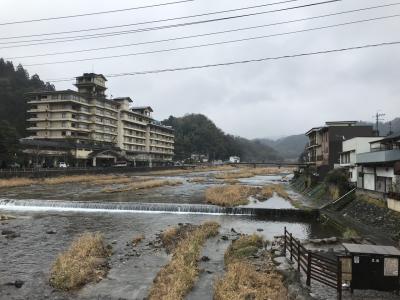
(92,124)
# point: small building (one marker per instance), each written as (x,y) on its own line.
(325,143)
(371,267)
(234,159)
(379,169)
(348,157)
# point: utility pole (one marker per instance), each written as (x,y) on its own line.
(378,117)
(390,128)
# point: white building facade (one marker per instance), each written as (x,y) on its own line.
(348,158)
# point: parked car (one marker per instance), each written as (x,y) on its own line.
(62,164)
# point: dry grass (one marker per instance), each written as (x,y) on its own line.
(137,240)
(171,237)
(141,185)
(13,182)
(96,179)
(193,170)
(243,247)
(231,181)
(229,195)
(177,278)
(85,261)
(6,217)
(115,180)
(197,179)
(243,279)
(250,172)
(372,201)
(242,173)
(268,191)
(74,179)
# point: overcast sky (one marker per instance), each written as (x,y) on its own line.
(264,99)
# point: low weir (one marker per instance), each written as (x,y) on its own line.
(79,206)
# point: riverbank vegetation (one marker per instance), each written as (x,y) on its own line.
(247,277)
(268,191)
(95,179)
(197,179)
(141,185)
(236,194)
(85,261)
(177,278)
(229,195)
(249,172)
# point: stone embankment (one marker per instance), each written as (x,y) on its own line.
(375,214)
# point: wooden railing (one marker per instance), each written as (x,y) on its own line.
(317,267)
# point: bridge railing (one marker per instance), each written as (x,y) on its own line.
(317,267)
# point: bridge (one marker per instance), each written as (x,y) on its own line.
(272,163)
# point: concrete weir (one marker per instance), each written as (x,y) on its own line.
(174,208)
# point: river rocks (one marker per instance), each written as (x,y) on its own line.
(260,229)
(204,258)
(9,234)
(331,240)
(51,231)
(17,283)
(374,216)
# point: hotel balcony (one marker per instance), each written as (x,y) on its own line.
(378,156)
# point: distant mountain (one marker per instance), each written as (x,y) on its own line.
(289,147)
(196,134)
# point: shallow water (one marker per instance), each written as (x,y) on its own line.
(29,257)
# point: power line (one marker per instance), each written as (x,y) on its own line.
(243,61)
(215,43)
(91,36)
(94,13)
(153,21)
(204,34)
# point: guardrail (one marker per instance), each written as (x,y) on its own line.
(317,267)
(341,198)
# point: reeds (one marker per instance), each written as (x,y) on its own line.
(244,279)
(268,191)
(141,185)
(229,195)
(177,278)
(85,261)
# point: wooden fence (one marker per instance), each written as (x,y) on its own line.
(317,267)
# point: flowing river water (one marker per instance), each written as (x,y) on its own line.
(43,231)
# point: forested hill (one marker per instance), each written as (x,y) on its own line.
(196,134)
(14,82)
(289,147)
